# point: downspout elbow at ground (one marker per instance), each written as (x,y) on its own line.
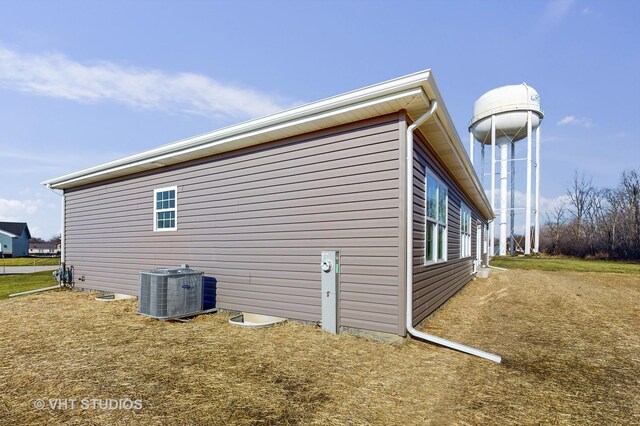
(409,251)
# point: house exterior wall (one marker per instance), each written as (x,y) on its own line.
(16,247)
(434,284)
(6,243)
(256,220)
(21,245)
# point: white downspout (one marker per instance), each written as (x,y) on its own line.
(409,252)
(61,222)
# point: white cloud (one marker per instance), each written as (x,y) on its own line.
(55,75)
(546,206)
(17,210)
(556,10)
(590,11)
(575,121)
(569,119)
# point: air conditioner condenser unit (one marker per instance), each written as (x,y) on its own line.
(167,293)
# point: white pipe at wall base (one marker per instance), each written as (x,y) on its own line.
(409,254)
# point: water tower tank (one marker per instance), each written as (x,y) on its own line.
(509,105)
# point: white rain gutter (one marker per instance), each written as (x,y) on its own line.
(409,254)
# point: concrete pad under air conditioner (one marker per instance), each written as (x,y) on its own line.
(247,319)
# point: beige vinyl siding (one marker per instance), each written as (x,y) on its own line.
(256,220)
(434,284)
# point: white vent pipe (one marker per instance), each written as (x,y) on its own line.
(409,253)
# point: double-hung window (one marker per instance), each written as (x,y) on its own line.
(465,231)
(436,220)
(165,209)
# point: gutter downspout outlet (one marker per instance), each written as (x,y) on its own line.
(409,253)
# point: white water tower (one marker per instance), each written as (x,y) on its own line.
(501,117)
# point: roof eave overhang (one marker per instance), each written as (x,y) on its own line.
(9,234)
(391,96)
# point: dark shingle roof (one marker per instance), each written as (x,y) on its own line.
(15,228)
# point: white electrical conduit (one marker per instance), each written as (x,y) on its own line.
(409,243)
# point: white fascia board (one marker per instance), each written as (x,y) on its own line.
(9,234)
(389,90)
(453,138)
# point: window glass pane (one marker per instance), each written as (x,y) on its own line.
(465,218)
(441,236)
(172,204)
(442,204)
(463,221)
(171,194)
(432,193)
(429,242)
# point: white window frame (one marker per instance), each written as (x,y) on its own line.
(157,210)
(465,231)
(434,223)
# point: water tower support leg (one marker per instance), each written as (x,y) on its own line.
(492,232)
(504,161)
(471,147)
(512,245)
(527,230)
(482,165)
(536,221)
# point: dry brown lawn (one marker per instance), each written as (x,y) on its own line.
(570,343)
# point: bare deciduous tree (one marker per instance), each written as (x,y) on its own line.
(597,222)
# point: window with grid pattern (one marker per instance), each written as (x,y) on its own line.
(436,212)
(465,231)
(165,209)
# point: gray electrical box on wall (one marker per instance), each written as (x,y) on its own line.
(330,270)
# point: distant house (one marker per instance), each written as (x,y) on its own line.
(14,239)
(44,249)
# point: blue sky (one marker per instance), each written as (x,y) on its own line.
(84,82)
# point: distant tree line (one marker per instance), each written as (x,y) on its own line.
(596,222)
(54,240)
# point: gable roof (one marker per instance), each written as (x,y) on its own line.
(14,229)
(411,93)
